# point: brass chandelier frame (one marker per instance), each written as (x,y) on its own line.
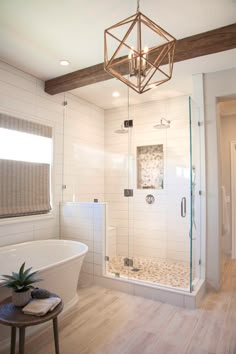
(142,63)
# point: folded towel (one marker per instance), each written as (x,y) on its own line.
(39,307)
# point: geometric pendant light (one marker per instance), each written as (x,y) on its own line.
(139,52)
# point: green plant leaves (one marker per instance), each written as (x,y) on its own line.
(20,281)
(21,271)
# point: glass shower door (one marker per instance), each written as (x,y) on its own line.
(160,209)
(153,172)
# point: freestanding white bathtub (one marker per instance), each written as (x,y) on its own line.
(57,261)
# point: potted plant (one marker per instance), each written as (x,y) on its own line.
(21,285)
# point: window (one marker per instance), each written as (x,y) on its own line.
(25,167)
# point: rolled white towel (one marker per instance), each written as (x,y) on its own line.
(39,307)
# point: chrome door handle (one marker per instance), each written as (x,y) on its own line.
(183,207)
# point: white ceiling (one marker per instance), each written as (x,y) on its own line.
(35,35)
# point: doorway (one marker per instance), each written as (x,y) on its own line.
(227,180)
(233,196)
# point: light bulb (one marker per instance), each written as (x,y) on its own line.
(115,94)
(64,62)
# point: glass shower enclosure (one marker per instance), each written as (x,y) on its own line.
(152,189)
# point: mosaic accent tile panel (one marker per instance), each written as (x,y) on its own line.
(150,167)
(151,270)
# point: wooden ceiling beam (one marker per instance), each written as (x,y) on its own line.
(214,41)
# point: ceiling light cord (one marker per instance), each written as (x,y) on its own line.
(138,5)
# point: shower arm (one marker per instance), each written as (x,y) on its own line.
(164,119)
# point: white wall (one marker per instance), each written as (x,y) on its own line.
(23,96)
(216,85)
(153,230)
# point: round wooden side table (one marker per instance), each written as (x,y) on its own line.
(12,316)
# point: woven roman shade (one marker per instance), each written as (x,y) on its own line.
(27,190)
(25,126)
(24,186)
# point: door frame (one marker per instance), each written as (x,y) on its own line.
(233,195)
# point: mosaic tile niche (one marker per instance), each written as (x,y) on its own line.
(150,167)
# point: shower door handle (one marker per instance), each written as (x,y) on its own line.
(183,207)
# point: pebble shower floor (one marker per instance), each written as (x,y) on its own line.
(169,273)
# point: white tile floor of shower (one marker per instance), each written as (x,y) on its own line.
(152,270)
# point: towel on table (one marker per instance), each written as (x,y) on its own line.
(40,307)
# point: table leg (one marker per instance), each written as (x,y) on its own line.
(13,340)
(22,340)
(56,339)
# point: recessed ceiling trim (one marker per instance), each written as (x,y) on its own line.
(214,41)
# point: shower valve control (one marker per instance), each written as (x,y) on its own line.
(128,123)
(150,199)
(128,193)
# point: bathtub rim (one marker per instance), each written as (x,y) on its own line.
(52,241)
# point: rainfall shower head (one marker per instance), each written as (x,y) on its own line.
(122,130)
(164,124)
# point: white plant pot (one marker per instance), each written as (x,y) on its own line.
(20,299)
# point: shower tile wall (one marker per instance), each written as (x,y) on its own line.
(155,230)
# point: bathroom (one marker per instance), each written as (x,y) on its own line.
(137,179)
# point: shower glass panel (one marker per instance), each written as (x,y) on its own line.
(151,187)
(196,187)
(160,210)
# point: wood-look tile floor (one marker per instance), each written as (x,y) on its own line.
(110,322)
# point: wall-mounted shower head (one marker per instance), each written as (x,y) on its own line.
(164,124)
(122,130)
